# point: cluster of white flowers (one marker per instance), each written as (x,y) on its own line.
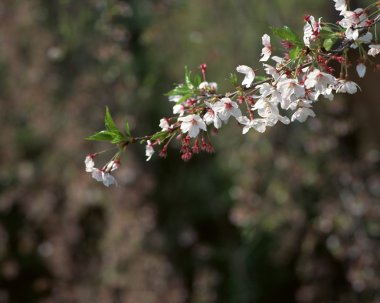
(311,30)
(295,90)
(295,94)
(284,89)
(102,175)
(354,22)
(286,92)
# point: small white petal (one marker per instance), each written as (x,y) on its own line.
(217,122)
(89,162)
(266,40)
(344,86)
(259,125)
(149,150)
(249,74)
(97,174)
(164,124)
(361,69)
(340,5)
(193,132)
(203,85)
(108,179)
(178,109)
(302,114)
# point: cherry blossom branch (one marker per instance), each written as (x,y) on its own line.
(294,83)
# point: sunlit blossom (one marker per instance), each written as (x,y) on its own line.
(211,115)
(374,49)
(267,49)
(258,124)
(149,150)
(344,86)
(192,124)
(249,74)
(227,108)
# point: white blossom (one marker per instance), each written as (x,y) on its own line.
(278,60)
(203,85)
(179,109)
(108,179)
(212,86)
(149,150)
(265,89)
(227,108)
(211,116)
(352,21)
(356,18)
(267,49)
(96,173)
(249,74)
(269,112)
(101,176)
(365,39)
(290,90)
(320,81)
(341,6)
(352,34)
(302,113)
(272,71)
(258,124)
(361,69)
(344,86)
(374,49)
(89,162)
(111,166)
(164,124)
(311,30)
(191,124)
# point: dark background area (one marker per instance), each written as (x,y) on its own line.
(292,215)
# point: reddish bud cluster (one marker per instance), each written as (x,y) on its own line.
(195,148)
(207,147)
(186,153)
(164,151)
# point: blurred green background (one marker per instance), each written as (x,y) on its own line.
(292,215)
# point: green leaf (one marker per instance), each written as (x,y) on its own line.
(293,54)
(127,129)
(189,84)
(328,43)
(286,33)
(162,135)
(108,121)
(179,90)
(103,135)
(197,80)
(118,139)
(184,98)
(326,32)
(233,79)
(329,36)
(259,78)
